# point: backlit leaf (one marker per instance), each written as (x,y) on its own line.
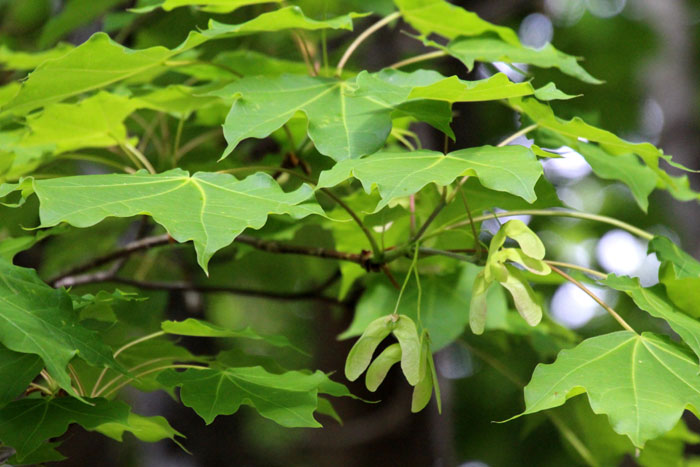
(653,301)
(643,383)
(513,169)
(347,119)
(210,209)
(493,49)
(199,328)
(216,6)
(440,17)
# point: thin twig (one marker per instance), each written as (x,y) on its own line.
(418,58)
(301,45)
(592,272)
(128,249)
(431,217)
(517,135)
(600,302)
(554,213)
(361,38)
(196,141)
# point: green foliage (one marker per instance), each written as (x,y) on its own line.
(119,157)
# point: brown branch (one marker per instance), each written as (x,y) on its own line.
(311,294)
(67,278)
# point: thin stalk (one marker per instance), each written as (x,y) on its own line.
(418,287)
(399,137)
(324,51)
(120,350)
(303,49)
(376,251)
(148,372)
(419,58)
(196,141)
(361,38)
(447,253)
(443,202)
(555,213)
(130,149)
(130,370)
(41,388)
(517,135)
(178,137)
(477,245)
(592,272)
(80,391)
(600,302)
(405,281)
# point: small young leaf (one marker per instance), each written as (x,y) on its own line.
(199,328)
(406,333)
(381,365)
(361,353)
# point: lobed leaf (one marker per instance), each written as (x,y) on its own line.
(653,301)
(643,383)
(349,119)
(17,370)
(214,6)
(489,48)
(289,399)
(439,17)
(199,328)
(512,169)
(210,209)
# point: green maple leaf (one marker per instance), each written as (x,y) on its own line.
(23,368)
(513,169)
(440,17)
(349,119)
(210,209)
(289,399)
(26,424)
(37,319)
(643,383)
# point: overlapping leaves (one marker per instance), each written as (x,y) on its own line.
(349,119)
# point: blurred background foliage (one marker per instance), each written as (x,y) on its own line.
(647,53)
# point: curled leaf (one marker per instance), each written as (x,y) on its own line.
(381,365)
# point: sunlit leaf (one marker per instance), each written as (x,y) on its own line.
(199,328)
(440,17)
(347,119)
(653,301)
(216,6)
(493,49)
(210,209)
(575,131)
(643,383)
(513,169)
